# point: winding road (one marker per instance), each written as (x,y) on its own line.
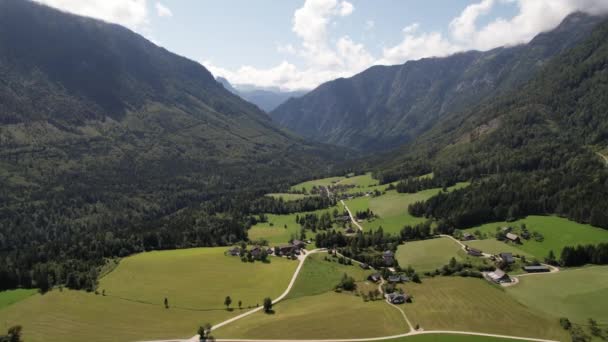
(352,218)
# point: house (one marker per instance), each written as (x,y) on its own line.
(397,298)
(404,278)
(468,237)
(537,269)
(234,251)
(507,257)
(512,237)
(298,243)
(473,251)
(394,278)
(498,276)
(388,257)
(364,266)
(374,277)
(256,252)
(287,249)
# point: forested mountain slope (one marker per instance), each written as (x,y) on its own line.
(386,106)
(532,151)
(110,145)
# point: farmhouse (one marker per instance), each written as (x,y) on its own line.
(364,266)
(473,251)
(507,257)
(298,244)
(512,237)
(397,298)
(394,278)
(375,277)
(468,237)
(537,269)
(256,252)
(388,257)
(234,251)
(287,250)
(498,276)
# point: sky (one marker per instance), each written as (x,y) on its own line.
(299,44)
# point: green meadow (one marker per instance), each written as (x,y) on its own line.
(451,338)
(470,304)
(578,294)
(428,255)
(494,246)
(392,208)
(287,197)
(316,182)
(557,232)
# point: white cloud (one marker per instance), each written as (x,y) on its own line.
(325,61)
(130,13)
(162,10)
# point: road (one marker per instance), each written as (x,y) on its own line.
(352,218)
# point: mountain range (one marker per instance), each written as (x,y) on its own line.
(266,98)
(386,106)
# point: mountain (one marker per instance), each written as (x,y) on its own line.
(266,98)
(111,145)
(385,106)
(538,149)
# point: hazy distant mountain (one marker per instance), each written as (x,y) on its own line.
(266,98)
(385,106)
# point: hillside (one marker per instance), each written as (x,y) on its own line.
(386,106)
(266,99)
(111,145)
(532,151)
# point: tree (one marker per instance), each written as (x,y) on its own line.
(227,302)
(166,303)
(204,333)
(267,305)
(240,304)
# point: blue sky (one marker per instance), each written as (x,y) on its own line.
(298,44)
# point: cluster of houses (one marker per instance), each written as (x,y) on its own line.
(292,249)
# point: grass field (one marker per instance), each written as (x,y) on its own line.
(467,304)
(280,228)
(329,315)
(392,208)
(75,316)
(428,255)
(13,296)
(197,278)
(361,181)
(318,276)
(316,182)
(450,338)
(558,233)
(578,294)
(494,246)
(287,197)
(195,281)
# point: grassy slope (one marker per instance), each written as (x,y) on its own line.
(329,315)
(450,338)
(392,208)
(197,278)
(13,296)
(316,182)
(454,303)
(362,181)
(558,233)
(319,276)
(493,246)
(75,316)
(427,255)
(578,294)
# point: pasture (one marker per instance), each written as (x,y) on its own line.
(316,182)
(494,246)
(198,278)
(428,255)
(318,276)
(450,338)
(469,304)
(557,232)
(578,294)
(13,296)
(324,316)
(361,181)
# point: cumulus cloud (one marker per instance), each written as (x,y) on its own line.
(326,60)
(162,10)
(130,13)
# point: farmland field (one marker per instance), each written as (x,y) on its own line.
(494,246)
(362,181)
(328,315)
(197,278)
(13,296)
(316,182)
(450,338)
(467,304)
(319,276)
(428,255)
(578,294)
(557,232)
